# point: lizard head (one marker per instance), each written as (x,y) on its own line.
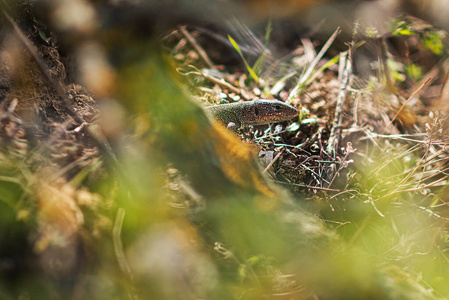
(271,111)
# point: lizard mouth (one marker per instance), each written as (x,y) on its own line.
(286,114)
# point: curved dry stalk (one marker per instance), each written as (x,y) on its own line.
(345,72)
(220,82)
(197,47)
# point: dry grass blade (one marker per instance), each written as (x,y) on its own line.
(309,187)
(215,80)
(312,66)
(345,74)
(145,231)
(405,103)
(401,137)
(118,249)
(272,162)
(196,46)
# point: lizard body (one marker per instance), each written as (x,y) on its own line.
(256,112)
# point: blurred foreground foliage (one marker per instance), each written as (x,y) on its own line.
(174,207)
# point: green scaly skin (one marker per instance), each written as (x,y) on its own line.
(256,112)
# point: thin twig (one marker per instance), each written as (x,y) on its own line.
(215,80)
(425,186)
(336,222)
(403,137)
(308,186)
(345,75)
(405,103)
(196,46)
(272,162)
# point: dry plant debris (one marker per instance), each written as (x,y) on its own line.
(362,151)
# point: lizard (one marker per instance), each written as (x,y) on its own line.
(257,112)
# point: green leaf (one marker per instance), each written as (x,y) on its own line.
(414,72)
(402,28)
(42,35)
(404,31)
(433,42)
(243,273)
(253,260)
(396,70)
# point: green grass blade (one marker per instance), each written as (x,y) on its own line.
(304,78)
(279,85)
(248,67)
(257,67)
(331,62)
(268,33)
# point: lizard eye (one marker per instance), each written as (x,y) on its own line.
(256,111)
(277,107)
